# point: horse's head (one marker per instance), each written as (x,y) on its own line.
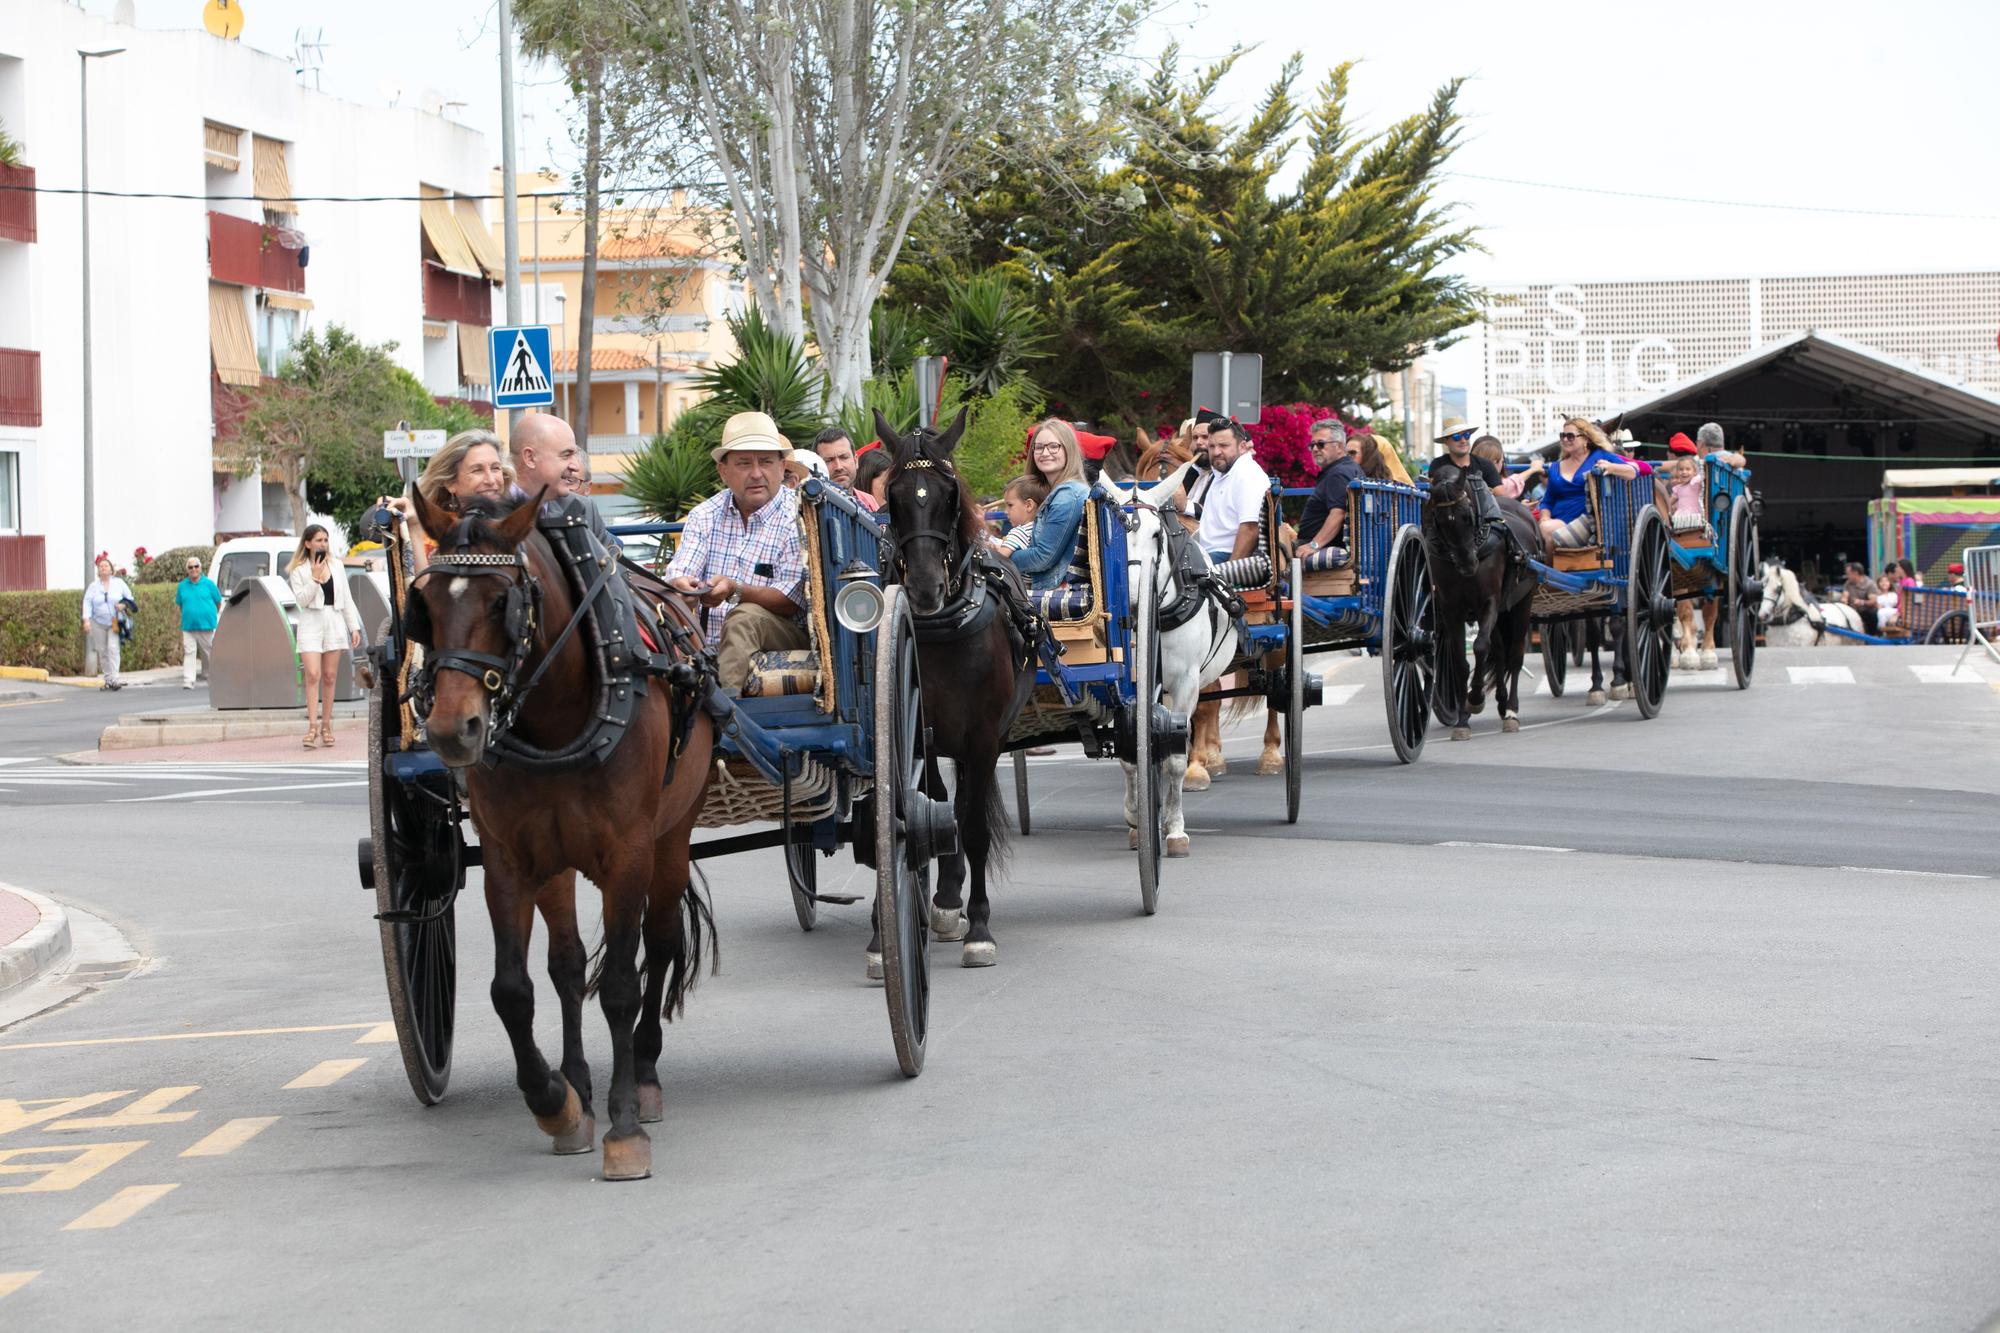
(1779,584)
(475,609)
(1148,510)
(1451,517)
(932,517)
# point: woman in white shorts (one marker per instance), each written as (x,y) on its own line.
(328,626)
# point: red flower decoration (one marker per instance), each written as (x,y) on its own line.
(1283,436)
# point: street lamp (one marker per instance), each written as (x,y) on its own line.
(83,59)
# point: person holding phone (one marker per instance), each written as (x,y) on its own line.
(328,626)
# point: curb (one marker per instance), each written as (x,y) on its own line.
(44,948)
(23,673)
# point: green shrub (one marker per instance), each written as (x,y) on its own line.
(675,473)
(169,565)
(45,629)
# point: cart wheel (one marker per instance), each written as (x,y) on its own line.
(1555,655)
(1147,781)
(418,864)
(905,832)
(1021,791)
(1295,704)
(1745,591)
(802,872)
(1955,627)
(1649,612)
(1409,645)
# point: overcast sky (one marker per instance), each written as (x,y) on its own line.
(1833,105)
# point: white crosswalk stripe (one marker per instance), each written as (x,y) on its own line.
(1820,675)
(1947,673)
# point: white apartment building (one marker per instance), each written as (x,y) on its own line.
(196,296)
(1587,348)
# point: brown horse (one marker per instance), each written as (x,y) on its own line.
(491,607)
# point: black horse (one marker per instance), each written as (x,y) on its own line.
(974,653)
(1477,586)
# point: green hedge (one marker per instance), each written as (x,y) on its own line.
(45,629)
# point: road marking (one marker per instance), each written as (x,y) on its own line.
(1943,673)
(233,1134)
(381,1032)
(21,1115)
(120,1207)
(225,791)
(1932,874)
(13,1282)
(1820,675)
(1508,846)
(84,1161)
(183,1036)
(24,703)
(326,1073)
(150,1109)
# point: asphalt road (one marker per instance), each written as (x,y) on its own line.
(1656,1061)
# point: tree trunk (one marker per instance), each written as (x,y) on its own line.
(586,315)
(294,470)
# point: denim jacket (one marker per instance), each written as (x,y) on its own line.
(1046,559)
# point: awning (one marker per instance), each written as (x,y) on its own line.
(472,353)
(287,301)
(436,328)
(479,237)
(221,146)
(229,338)
(1904,478)
(442,230)
(272,182)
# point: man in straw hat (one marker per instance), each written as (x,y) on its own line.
(741,554)
(1485,490)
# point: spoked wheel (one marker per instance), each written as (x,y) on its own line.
(1295,703)
(910,830)
(415,861)
(1746,594)
(802,873)
(1148,781)
(1409,645)
(1649,613)
(1021,792)
(1555,655)
(1953,628)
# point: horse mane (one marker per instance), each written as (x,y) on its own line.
(916,447)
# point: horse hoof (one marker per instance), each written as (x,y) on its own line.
(1618,692)
(1216,765)
(1461,733)
(652,1104)
(582,1141)
(1708,662)
(628,1158)
(565,1122)
(1270,763)
(1475,706)
(1177,846)
(1510,724)
(875,972)
(1594,698)
(948,923)
(980,953)
(1131,839)
(1196,779)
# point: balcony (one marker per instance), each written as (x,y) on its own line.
(20,387)
(455,296)
(17,204)
(254,254)
(23,567)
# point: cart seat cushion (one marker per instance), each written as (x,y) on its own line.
(1067,602)
(1332,557)
(1252,571)
(782,671)
(1686,522)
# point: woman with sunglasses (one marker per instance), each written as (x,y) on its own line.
(1584,450)
(1055,459)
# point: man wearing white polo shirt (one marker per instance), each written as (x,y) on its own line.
(1232,503)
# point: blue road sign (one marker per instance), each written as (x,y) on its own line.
(521,369)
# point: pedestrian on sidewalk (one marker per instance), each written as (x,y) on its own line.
(200,602)
(328,625)
(100,619)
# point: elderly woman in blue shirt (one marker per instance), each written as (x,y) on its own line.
(100,620)
(1054,457)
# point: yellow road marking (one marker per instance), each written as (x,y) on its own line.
(379,1033)
(325,1074)
(85,1160)
(150,1109)
(232,1135)
(13,1282)
(185,1036)
(25,703)
(20,1115)
(120,1207)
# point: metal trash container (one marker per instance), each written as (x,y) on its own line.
(371,600)
(256,659)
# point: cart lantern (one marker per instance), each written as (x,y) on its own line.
(858,604)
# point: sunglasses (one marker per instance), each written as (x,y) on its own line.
(1569,435)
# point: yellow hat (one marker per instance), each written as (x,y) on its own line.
(750,430)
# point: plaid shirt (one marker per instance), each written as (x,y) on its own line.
(765,550)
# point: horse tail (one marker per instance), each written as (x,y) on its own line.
(695,937)
(994,812)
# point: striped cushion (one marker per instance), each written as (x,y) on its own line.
(1332,557)
(1252,571)
(1067,602)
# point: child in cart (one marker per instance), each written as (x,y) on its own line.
(1684,477)
(1021,502)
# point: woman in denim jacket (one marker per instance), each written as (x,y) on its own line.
(1054,457)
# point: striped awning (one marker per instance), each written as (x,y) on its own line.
(287,300)
(230,341)
(479,239)
(441,229)
(268,174)
(472,353)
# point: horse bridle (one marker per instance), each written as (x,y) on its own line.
(954,575)
(521,616)
(1463,501)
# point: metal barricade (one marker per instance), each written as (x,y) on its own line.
(256,659)
(1982,589)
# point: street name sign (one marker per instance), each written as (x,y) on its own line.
(411,443)
(522,374)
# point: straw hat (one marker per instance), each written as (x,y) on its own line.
(750,430)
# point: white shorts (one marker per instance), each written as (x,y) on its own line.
(322,631)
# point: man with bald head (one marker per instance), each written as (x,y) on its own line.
(545,456)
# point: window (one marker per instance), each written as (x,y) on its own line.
(268,173)
(221,146)
(277,330)
(238,567)
(10,493)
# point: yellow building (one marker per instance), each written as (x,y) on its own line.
(659,318)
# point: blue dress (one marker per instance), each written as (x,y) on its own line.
(1565,497)
(1046,559)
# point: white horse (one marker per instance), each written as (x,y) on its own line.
(1794,618)
(1192,654)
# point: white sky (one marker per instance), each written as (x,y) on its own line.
(1833,104)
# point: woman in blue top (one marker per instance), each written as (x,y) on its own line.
(1053,457)
(1584,450)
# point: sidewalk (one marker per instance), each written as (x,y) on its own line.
(28,683)
(350,746)
(34,938)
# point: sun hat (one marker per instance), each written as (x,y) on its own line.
(750,430)
(809,461)
(1463,432)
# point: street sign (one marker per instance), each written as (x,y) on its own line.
(522,374)
(411,443)
(1231,383)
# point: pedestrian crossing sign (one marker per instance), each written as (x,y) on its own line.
(522,375)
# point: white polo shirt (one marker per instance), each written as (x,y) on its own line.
(1230,500)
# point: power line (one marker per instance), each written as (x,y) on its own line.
(1729,203)
(326,198)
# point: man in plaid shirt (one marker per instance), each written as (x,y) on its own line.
(741,553)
